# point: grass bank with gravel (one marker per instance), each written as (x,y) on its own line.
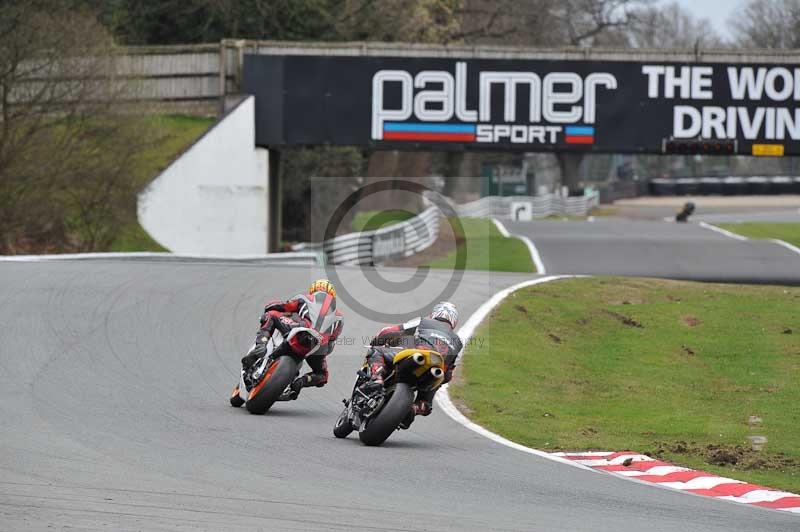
(674,369)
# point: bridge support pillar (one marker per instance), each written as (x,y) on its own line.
(274,201)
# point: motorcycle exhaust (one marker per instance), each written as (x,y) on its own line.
(437,373)
(419,358)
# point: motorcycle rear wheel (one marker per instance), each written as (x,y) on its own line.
(382,425)
(264,394)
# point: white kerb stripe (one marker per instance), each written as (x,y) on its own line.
(535,256)
(658,471)
(700,483)
(722,231)
(787,245)
(501,228)
(585,453)
(759,496)
(618,460)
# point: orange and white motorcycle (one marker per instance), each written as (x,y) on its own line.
(269,378)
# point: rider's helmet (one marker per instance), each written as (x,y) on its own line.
(322,285)
(445,311)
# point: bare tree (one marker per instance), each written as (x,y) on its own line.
(769,24)
(670,26)
(63,143)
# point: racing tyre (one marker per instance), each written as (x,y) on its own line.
(275,379)
(343,428)
(396,408)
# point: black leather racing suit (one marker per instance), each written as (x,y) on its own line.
(420,333)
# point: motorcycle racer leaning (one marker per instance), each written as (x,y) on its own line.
(286,315)
(436,332)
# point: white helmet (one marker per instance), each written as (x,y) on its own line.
(445,311)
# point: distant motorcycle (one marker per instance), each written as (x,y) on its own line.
(683,215)
(269,378)
(375,410)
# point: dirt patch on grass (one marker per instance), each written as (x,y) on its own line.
(625,320)
(554,338)
(734,456)
(690,321)
(687,351)
(458,381)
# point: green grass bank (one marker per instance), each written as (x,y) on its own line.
(485,248)
(788,232)
(672,369)
(172,135)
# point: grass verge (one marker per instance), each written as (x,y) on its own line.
(172,134)
(673,369)
(486,249)
(369,220)
(788,232)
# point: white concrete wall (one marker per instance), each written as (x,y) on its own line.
(213,198)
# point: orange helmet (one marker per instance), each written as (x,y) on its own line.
(322,285)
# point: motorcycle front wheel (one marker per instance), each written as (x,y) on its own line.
(343,427)
(277,377)
(381,425)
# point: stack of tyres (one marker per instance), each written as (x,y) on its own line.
(758,186)
(796,185)
(711,186)
(687,186)
(662,187)
(782,185)
(734,186)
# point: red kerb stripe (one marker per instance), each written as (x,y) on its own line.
(579,139)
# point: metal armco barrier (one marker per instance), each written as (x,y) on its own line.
(527,207)
(394,241)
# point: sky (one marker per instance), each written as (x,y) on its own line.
(716,11)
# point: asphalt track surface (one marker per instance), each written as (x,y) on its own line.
(114,379)
(657,249)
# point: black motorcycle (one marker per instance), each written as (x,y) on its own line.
(376,410)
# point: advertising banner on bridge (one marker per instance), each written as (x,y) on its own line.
(527,105)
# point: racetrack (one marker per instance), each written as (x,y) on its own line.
(641,248)
(115,377)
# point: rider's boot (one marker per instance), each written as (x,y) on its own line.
(236,401)
(256,352)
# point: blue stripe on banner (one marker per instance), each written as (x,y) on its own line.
(428,128)
(579,130)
